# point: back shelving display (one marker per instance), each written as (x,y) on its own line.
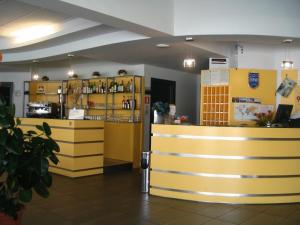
(102,98)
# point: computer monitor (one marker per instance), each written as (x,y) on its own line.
(283,114)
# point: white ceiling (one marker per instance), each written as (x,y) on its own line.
(91,34)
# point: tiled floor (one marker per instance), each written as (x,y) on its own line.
(115,199)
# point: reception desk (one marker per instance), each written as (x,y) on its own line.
(81,145)
(245,165)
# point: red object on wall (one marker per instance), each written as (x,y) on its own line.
(147,99)
(1,56)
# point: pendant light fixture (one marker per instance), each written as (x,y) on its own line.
(35,70)
(70,71)
(189,62)
(287,64)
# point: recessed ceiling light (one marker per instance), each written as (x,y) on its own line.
(189,38)
(163,45)
(287,41)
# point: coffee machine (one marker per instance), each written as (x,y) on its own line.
(42,110)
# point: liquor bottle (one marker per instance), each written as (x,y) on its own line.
(110,88)
(99,88)
(128,87)
(93,88)
(102,88)
(121,87)
(128,104)
(116,87)
(132,103)
(131,86)
(123,103)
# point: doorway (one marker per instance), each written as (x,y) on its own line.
(162,90)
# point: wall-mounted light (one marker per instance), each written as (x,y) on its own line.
(287,64)
(189,63)
(35,70)
(71,70)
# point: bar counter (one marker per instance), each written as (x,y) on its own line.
(81,145)
(245,165)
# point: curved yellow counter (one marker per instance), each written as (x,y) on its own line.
(226,164)
(81,145)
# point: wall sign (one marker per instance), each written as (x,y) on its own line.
(253,80)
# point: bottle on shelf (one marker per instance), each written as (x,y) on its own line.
(59,90)
(132,103)
(128,87)
(131,86)
(110,90)
(84,88)
(128,104)
(121,87)
(116,87)
(124,103)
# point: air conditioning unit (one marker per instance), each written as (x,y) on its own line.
(218,63)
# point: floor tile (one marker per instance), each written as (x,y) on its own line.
(264,219)
(116,200)
(238,216)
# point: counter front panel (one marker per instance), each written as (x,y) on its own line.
(226,164)
(81,145)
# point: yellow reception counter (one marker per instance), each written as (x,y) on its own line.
(81,145)
(226,164)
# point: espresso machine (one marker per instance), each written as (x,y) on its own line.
(42,110)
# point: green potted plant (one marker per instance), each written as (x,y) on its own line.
(24,164)
(160,111)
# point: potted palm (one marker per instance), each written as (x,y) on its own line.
(24,163)
(161,110)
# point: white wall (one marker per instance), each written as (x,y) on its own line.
(85,68)
(258,56)
(186,94)
(18,79)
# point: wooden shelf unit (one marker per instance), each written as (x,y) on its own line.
(215,105)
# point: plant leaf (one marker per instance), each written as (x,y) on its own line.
(44,166)
(3,136)
(31,132)
(41,190)
(47,129)
(25,195)
(54,159)
(18,121)
(39,127)
(47,179)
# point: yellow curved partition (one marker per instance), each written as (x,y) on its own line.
(245,165)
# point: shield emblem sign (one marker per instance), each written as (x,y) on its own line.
(253,80)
